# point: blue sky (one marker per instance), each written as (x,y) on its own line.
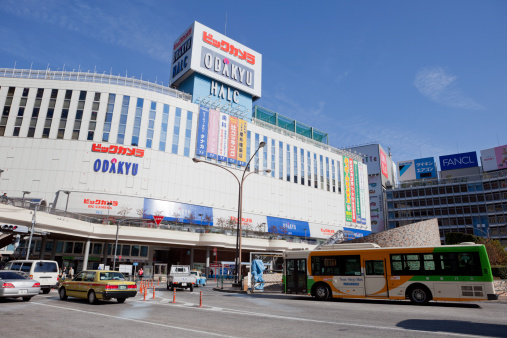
(425,78)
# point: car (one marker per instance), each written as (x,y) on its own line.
(95,285)
(15,284)
(44,271)
(199,276)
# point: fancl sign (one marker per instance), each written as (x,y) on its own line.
(458,161)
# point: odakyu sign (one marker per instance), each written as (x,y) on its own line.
(114,166)
(205,51)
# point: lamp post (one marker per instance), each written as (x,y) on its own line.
(108,207)
(201,220)
(240,204)
(305,234)
(67,203)
(116,240)
(31,232)
(25,193)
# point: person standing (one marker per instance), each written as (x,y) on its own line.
(64,272)
(140,273)
(71,272)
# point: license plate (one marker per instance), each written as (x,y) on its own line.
(22,292)
(183,284)
(122,287)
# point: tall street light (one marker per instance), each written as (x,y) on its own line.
(108,207)
(36,206)
(116,240)
(67,203)
(240,204)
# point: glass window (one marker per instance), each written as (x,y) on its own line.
(336,265)
(68,247)
(135,251)
(188,134)
(375,268)
(97,249)
(125,251)
(163,130)
(144,251)
(78,247)
(176,133)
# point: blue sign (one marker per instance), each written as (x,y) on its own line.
(290,227)
(178,212)
(458,161)
(202,131)
(135,264)
(425,168)
(356,232)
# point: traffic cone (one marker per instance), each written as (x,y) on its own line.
(153,293)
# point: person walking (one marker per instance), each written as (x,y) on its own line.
(140,273)
(71,272)
(64,272)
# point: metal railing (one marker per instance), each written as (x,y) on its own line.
(93,77)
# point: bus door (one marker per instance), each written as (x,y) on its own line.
(375,279)
(295,276)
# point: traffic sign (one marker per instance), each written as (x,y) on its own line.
(119,256)
(158,219)
(135,264)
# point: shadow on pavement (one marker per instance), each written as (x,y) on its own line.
(455,327)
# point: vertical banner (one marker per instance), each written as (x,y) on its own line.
(348,204)
(223,137)
(242,142)
(213,127)
(358,194)
(233,140)
(202,131)
(352,189)
(383,164)
(362,183)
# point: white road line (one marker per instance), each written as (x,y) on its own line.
(133,320)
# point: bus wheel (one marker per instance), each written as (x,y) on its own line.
(419,294)
(322,291)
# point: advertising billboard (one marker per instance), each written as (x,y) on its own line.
(458,161)
(322,231)
(223,136)
(406,170)
(242,134)
(203,50)
(362,184)
(348,194)
(229,219)
(494,158)
(358,192)
(213,130)
(383,163)
(287,226)
(178,212)
(202,131)
(376,203)
(425,168)
(233,140)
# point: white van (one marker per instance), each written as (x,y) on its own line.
(45,272)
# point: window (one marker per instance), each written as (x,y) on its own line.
(163,128)
(135,251)
(125,250)
(248,139)
(65,114)
(374,268)
(296,165)
(327,175)
(349,265)
(109,117)
(45,267)
(288,163)
(273,157)
(176,133)
(21,112)
(265,155)
(188,134)
(49,113)
(309,166)
(93,118)
(302,153)
(123,120)
(151,124)
(35,113)
(144,251)
(315,181)
(280,160)
(97,249)
(6,110)
(256,160)
(79,115)
(444,264)
(137,123)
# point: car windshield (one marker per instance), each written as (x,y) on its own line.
(45,267)
(194,273)
(10,275)
(111,276)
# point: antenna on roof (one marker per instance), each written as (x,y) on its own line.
(225,24)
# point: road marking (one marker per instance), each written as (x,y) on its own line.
(132,320)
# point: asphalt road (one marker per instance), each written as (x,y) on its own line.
(238,315)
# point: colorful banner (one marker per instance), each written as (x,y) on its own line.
(214,124)
(178,212)
(233,140)
(494,158)
(383,164)
(362,192)
(223,137)
(358,193)
(242,126)
(348,198)
(352,190)
(202,131)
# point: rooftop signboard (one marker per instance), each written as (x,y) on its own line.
(494,158)
(458,161)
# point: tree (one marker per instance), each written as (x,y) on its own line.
(190,218)
(141,213)
(124,211)
(208,219)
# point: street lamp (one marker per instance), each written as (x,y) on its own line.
(31,230)
(305,234)
(67,203)
(108,207)
(240,203)
(201,220)
(25,193)
(116,241)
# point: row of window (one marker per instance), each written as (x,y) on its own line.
(443,200)
(413,264)
(449,211)
(95,248)
(451,189)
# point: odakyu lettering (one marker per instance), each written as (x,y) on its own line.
(116,167)
(227,68)
(180,65)
(185,47)
(224,92)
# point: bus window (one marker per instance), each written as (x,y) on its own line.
(352,266)
(375,268)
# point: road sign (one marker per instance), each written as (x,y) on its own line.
(158,219)
(119,256)
(135,264)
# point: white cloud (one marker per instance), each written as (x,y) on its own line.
(440,87)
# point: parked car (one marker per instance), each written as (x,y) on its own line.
(180,277)
(45,272)
(96,285)
(15,284)
(200,279)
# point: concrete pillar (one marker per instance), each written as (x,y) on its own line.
(87,250)
(53,252)
(104,253)
(207,261)
(43,247)
(191,258)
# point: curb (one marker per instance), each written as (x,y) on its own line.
(230,291)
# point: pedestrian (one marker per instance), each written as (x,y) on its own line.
(71,272)
(64,272)
(4,198)
(140,273)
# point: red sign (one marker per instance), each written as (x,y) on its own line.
(119,256)
(383,164)
(158,219)
(98,148)
(228,48)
